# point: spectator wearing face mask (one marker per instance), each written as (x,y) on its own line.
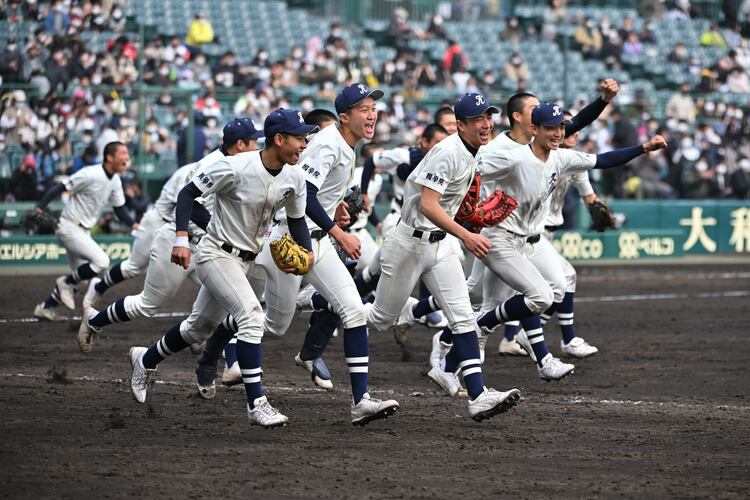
(58,19)
(516,69)
(589,38)
(681,105)
(199,33)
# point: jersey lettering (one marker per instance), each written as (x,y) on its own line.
(205,180)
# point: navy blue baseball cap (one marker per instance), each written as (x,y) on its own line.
(354,93)
(471,105)
(240,129)
(548,113)
(286,121)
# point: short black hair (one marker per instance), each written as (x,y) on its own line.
(432,130)
(111,148)
(442,111)
(318,116)
(515,105)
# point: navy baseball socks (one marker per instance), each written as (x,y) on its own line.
(464,356)
(357,360)
(321,327)
(516,308)
(63,293)
(565,317)
(511,329)
(250,357)
(114,313)
(84,272)
(171,343)
(112,277)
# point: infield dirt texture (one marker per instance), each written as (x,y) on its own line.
(662,410)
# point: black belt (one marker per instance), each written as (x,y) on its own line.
(166,220)
(194,239)
(84,227)
(533,239)
(434,236)
(242,254)
(318,234)
(394,211)
(552,228)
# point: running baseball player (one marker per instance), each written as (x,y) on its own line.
(90,189)
(538,288)
(163,279)
(248,189)
(417,249)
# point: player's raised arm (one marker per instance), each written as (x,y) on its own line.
(590,113)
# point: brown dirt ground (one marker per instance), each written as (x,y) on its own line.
(661,411)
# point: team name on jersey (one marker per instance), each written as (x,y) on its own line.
(205,180)
(283,198)
(552,183)
(435,178)
(310,170)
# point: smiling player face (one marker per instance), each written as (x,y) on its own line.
(549,137)
(361,118)
(477,129)
(291,147)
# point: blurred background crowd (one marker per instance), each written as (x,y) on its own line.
(164,76)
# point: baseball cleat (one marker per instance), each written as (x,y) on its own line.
(304,298)
(205,380)
(369,409)
(436,319)
(439,349)
(66,292)
(523,341)
(482,335)
(447,381)
(142,378)
(511,348)
(92,297)
(578,348)
(318,371)
(265,415)
(86,332)
(232,375)
(492,402)
(50,314)
(554,369)
(404,321)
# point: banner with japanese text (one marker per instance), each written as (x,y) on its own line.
(47,250)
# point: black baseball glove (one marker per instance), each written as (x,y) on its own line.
(39,223)
(356,203)
(602,217)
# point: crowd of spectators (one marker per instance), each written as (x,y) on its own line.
(59,119)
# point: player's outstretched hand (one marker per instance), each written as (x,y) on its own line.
(341,217)
(181,256)
(657,142)
(609,88)
(350,244)
(476,244)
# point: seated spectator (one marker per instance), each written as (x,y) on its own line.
(700,181)
(589,38)
(23,183)
(739,181)
(713,37)
(553,15)
(11,63)
(681,105)
(516,69)
(200,32)
(513,32)
(436,27)
(679,54)
(738,81)
(454,58)
(336,37)
(680,11)
(632,45)
(58,19)
(612,49)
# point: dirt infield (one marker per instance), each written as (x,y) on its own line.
(661,411)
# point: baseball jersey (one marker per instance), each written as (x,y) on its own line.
(502,141)
(388,161)
(90,190)
(529,180)
(328,164)
(582,184)
(372,191)
(246,196)
(448,168)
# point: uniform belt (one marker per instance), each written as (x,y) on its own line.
(533,239)
(194,239)
(516,234)
(433,236)
(166,220)
(242,254)
(552,229)
(318,234)
(394,211)
(84,227)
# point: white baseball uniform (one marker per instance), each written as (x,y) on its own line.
(359,228)
(90,189)
(417,248)
(388,161)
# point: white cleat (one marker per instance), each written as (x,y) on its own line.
(554,369)
(436,319)
(92,297)
(405,321)
(142,378)
(483,334)
(318,371)
(511,348)
(523,341)
(232,375)
(447,381)
(578,348)
(304,298)
(86,332)
(265,415)
(492,402)
(369,409)
(66,292)
(439,350)
(50,314)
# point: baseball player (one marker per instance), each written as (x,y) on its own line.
(248,189)
(416,249)
(163,279)
(538,287)
(446,118)
(90,189)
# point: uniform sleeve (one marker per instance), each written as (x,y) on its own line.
(436,171)
(493,165)
(117,198)
(583,184)
(78,181)
(296,203)
(573,162)
(316,164)
(390,159)
(214,178)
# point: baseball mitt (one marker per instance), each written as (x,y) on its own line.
(39,223)
(493,210)
(469,203)
(287,254)
(356,203)
(602,217)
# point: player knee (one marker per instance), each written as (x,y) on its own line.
(540,300)
(571,281)
(276,322)
(352,315)
(100,263)
(129,269)
(197,329)
(252,335)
